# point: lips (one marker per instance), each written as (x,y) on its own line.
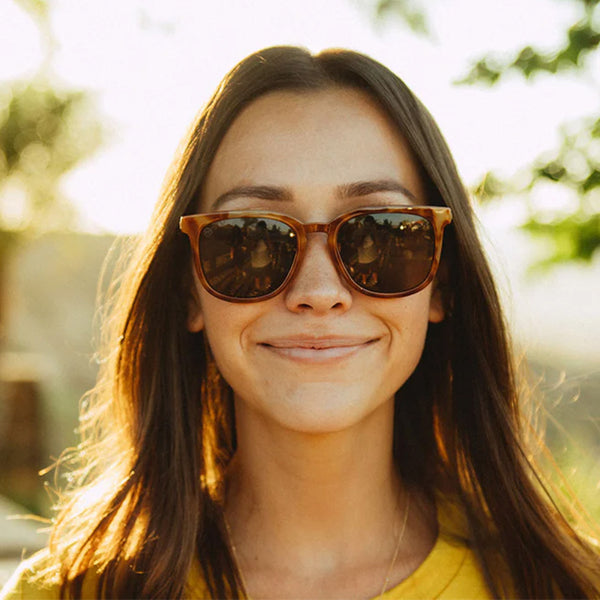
(313,349)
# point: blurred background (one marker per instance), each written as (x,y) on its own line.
(95,97)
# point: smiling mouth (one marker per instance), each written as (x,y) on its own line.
(317,351)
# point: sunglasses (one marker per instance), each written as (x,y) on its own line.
(247,256)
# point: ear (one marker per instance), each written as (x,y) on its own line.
(195,320)
(437,313)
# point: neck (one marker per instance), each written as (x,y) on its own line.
(314,500)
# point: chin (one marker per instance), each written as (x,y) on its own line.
(321,409)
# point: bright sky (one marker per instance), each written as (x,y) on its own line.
(152,65)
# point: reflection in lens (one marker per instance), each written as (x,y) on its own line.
(387,252)
(246,257)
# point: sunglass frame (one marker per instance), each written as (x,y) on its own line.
(438,216)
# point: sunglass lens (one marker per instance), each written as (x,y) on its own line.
(388,253)
(246,257)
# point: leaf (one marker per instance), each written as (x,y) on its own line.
(481,72)
(554,171)
(489,188)
(584,36)
(575,237)
(413,16)
(592,181)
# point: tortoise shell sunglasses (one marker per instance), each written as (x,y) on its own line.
(385,252)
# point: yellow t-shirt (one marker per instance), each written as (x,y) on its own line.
(449,572)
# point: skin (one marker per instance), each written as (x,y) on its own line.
(313,499)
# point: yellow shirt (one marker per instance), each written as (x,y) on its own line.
(449,572)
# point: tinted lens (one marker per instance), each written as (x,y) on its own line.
(387,252)
(246,257)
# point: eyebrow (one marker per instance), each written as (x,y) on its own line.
(364,188)
(278,193)
(263,192)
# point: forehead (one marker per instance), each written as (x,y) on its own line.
(311,139)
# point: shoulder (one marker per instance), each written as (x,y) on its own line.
(28,581)
(33,580)
(37,579)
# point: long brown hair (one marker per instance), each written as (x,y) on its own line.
(158,429)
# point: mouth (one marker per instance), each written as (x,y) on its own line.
(317,350)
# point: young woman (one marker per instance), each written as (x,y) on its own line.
(313,424)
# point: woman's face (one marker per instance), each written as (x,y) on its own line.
(320,356)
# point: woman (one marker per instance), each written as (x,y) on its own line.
(315,436)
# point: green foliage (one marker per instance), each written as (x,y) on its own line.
(582,38)
(409,11)
(44,133)
(575,237)
(575,164)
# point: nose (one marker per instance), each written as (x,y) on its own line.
(317,285)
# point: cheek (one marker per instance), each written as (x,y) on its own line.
(408,319)
(226,326)
(409,313)
(220,324)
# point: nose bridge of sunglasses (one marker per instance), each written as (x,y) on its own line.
(322,228)
(316,228)
(312,228)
